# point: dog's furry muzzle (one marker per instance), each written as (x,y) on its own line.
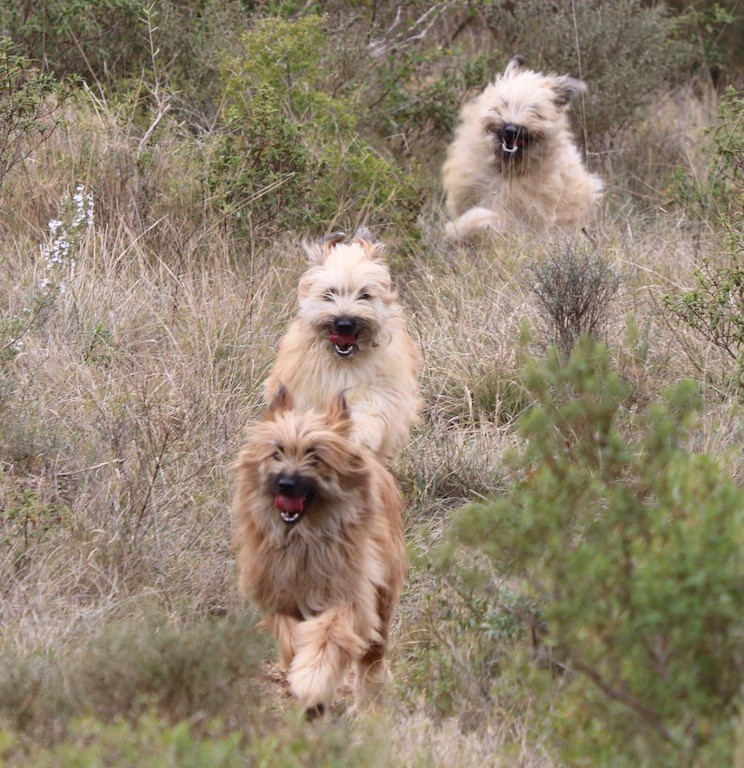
(346,336)
(293,494)
(512,141)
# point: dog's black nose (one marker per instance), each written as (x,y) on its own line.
(286,485)
(510,131)
(345,326)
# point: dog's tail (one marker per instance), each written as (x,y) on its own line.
(325,647)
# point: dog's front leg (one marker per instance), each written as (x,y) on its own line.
(325,647)
(475,223)
(284,629)
(368,418)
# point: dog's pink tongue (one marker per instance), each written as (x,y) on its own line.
(337,338)
(289,503)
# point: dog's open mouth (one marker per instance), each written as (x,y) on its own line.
(511,145)
(515,147)
(344,345)
(512,140)
(292,508)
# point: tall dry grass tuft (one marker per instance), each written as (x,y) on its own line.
(130,394)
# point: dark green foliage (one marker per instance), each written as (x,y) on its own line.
(714,31)
(292,156)
(633,546)
(201,667)
(25,520)
(93,38)
(149,740)
(30,106)
(714,307)
(423,90)
(465,632)
(720,190)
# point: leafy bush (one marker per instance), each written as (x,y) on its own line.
(632,546)
(292,155)
(200,667)
(30,105)
(719,191)
(461,639)
(97,38)
(714,307)
(714,31)
(149,741)
(421,91)
(153,741)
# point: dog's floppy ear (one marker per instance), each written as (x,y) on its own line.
(338,414)
(515,65)
(567,89)
(318,252)
(282,401)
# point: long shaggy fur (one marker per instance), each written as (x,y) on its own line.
(325,564)
(349,282)
(513,163)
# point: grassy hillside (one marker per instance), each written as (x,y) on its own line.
(159,167)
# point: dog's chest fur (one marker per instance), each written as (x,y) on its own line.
(304,571)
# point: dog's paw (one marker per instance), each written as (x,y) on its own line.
(314,712)
(371,686)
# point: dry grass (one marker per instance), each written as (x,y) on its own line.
(126,404)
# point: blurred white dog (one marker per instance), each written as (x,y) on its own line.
(513,163)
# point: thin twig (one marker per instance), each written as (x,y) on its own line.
(73,472)
(649,716)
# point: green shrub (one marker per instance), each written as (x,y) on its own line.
(714,31)
(714,307)
(719,192)
(205,667)
(632,545)
(149,740)
(714,310)
(460,639)
(24,520)
(30,106)
(92,38)
(421,91)
(292,155)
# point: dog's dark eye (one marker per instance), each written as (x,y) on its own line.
(277,455)
(364,297)
(329,295)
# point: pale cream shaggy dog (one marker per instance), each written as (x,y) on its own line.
(513,164)
(319,539)
(349,336)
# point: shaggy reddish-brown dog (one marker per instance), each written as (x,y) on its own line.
(318,533)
